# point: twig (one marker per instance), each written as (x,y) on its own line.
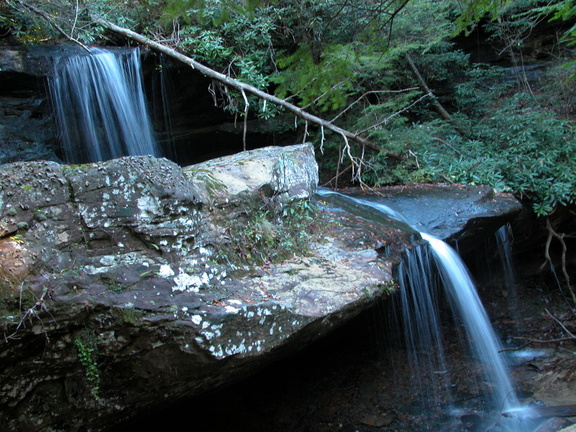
(367,94)
(387,119)
(552,234)
(48,18)
(561,324)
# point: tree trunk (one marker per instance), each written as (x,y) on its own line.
(242,87)
(439,108)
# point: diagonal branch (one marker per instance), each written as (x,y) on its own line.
(240,86)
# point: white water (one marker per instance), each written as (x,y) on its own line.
(420,311)
(100,107)
(468,307)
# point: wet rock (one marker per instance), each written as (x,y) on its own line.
(118,296)
(27,130)
(450,212)
(377,420)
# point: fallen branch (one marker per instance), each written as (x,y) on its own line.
(536,341)
(242,87)
(571,336)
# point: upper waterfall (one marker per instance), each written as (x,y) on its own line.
(100,107)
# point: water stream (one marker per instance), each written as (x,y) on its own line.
(418,277)
(100,107)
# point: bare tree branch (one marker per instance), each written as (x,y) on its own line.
(242,87)
(552,234)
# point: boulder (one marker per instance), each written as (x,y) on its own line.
(133,283)
(452,213)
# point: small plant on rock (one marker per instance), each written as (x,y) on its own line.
(86,356)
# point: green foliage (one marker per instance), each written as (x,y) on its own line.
(75,19)
(86,353)
(233,40)
(268,237)
(516,147)
(203,10)
(323,83)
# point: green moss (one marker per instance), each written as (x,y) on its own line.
(204,176)
(131,316)
(266,236)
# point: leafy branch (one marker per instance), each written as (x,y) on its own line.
(244,88)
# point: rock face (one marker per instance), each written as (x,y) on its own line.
(123,287)
(133,283)
(27,129)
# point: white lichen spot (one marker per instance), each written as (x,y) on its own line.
(107,260)
(196,319)
(147,206)
(184,309)
(231,309)
(190,283)
(166,271)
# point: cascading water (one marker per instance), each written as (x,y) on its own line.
(505,251)
(468,307)
(100,108)
(421,317)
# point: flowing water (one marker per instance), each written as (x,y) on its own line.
(421,274)
(100,107)
(505,252)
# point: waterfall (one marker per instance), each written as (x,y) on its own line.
(468,308)
(100,108)
(505,251)
(417,277)
(420,315)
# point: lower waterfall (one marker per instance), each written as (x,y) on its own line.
(426,270)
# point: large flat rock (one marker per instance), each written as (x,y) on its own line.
(122,287)
(449,212)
